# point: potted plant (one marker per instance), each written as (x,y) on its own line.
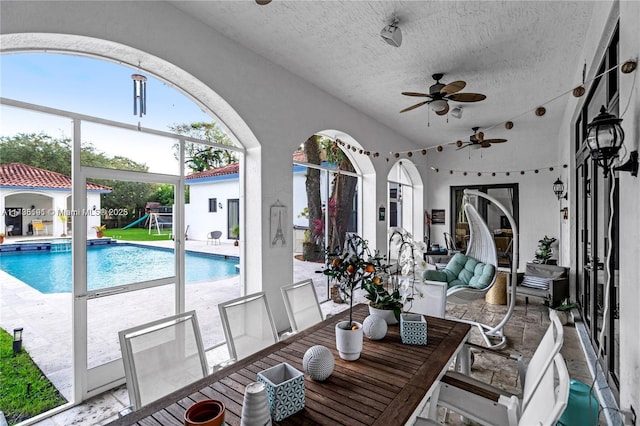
(409,258)
(562,309)
(100,230)
(354,267)
(384,298)
(1,237)
(63,219)
(235,233)
(544,251)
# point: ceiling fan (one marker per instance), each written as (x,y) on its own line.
(477,140)
(440,94)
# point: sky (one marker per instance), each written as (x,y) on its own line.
(98,88)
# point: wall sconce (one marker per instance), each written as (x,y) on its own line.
(565,213)
(605,138)
(17,340)
(558,189)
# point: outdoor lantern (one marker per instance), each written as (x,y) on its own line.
(605,137)
(558,189)
(17,340)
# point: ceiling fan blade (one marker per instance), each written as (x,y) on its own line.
(454,87)
(495,140)
(444,111)
(416,94)
(463,146)
(466,97)
(485,144)
(415,106)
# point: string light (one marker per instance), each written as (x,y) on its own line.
(626,68)
(497,172)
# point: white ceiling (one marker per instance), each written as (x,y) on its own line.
(520,54)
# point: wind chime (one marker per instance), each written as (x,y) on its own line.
(139,94)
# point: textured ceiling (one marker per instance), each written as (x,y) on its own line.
(520,54)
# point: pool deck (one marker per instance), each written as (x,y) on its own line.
(47,323)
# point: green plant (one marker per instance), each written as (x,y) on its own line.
(383,295)
(544,251)
(563,306)
(235,231)
(100,228)
(354,267)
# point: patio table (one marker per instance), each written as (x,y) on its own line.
(388,385)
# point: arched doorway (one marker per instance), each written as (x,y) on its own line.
(327,200)
(87,382)
(405,198)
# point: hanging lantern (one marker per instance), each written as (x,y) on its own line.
(139,94)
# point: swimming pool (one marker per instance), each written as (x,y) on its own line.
(111,265)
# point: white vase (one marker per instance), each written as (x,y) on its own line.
(386,314)
(255,407)
(349,341)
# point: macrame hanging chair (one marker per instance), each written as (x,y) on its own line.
(482,247)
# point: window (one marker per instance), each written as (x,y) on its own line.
(213,205)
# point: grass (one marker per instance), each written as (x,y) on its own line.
(137,234)
(26,391)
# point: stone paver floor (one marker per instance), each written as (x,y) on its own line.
(524,331)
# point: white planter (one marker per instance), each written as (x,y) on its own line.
(348,341)
(386,314)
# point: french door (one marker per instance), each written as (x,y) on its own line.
(597,227)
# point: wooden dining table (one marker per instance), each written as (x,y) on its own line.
(388,385)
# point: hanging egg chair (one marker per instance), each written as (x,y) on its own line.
(482,248)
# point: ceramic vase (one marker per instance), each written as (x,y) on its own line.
(386,314)
(349,341)
(209,412)
(255,407)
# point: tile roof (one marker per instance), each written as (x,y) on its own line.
(233,168)
(22,175)
(229,169)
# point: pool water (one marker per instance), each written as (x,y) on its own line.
(110,266)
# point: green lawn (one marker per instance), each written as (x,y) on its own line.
(137,234)
(26,391)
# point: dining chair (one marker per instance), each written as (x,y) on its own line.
(487,404)
(162,356)
(546,405)
(301,303)
(247,324)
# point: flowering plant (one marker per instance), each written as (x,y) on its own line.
(354,267)
(409,256)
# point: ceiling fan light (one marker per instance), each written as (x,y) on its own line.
(438,105)
(392,34)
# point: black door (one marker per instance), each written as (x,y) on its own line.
(13,220)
